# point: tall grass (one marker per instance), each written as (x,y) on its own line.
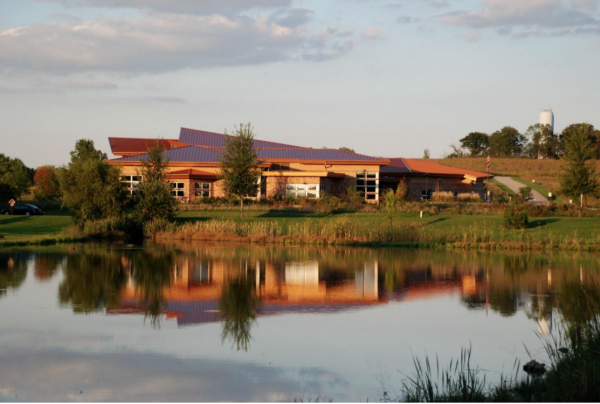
(574,364)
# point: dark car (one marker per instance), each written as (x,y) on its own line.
(26,210)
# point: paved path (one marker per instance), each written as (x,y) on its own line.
(514,186)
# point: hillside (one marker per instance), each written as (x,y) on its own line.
(544,172)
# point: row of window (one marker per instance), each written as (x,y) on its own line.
(311,191)
(366,183)
(201,189)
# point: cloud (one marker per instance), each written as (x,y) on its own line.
(205,7)
(520,18)
(165,42)
(404,19)
(371,33)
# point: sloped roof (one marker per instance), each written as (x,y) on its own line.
(212,139)
(422,167)
(129,145)
(314,154)
(188,154)
(428,167)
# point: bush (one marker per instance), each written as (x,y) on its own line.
(514,219)
(442,196)
(469,197)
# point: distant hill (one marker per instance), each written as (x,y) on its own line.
(544,172)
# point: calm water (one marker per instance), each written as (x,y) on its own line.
(214,322)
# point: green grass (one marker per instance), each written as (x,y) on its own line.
(503,187)
(22,229)
(538,187)
(18,229)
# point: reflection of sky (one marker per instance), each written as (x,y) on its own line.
(48,353)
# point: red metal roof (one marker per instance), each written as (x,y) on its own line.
(129,145)
(422,167)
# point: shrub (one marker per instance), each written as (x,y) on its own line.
(513,219)
(442,196)
(469,197)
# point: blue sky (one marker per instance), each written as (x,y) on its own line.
(385,77)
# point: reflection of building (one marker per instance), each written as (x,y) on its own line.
(283,287)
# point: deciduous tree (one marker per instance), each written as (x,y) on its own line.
(91,187)
(543,143)
(579,176)
(15,178)
(475,142)
(239,165)
(507,142)
(47,186)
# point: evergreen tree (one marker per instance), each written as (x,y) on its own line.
(239,165)
(153,194)
(578,177)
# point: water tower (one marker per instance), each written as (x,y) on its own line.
(547,118)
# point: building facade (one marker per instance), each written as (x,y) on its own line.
(288,170)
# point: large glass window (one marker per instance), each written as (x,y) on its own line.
(311,191)
(177,189)
(131,182)
(202,189)
(368,184)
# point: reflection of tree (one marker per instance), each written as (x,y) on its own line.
(152,273)
(93,281)
(239,305)
(13,271)
(45,266)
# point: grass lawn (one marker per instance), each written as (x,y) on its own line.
(37,228)
(32,228)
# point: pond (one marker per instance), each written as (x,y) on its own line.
(223,322)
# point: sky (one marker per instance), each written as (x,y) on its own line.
(384,77)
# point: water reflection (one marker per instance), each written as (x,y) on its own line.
(196,284)
(13,271)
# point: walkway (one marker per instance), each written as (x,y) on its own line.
(514,186)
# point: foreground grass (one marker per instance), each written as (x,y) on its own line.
(34,229)
(459,231)
(573,364)
(449,231)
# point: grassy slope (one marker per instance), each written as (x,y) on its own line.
(544,172)
(32,228)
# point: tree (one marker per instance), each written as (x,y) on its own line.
(91,187)
(15,178)
(426,154)
(239,165)
(347,149)
(525,193)
(47,186)
(572,129)
(476,143)
(543,143)
(456,152)
(391,200)
(507,142)
(153,194)
(578,177)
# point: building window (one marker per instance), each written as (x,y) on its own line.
(202,189)
(310,191)
(177,189)
(368,184)
(131,182)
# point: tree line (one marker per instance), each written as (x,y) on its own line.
(538,141)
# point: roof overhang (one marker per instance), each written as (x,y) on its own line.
(321,174)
